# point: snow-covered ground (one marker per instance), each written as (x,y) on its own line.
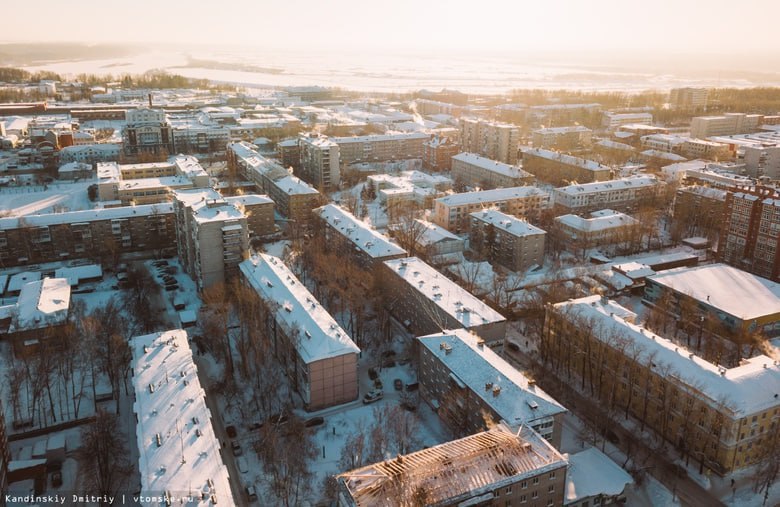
(39,199)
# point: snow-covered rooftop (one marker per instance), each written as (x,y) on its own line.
(745,389)
(592,473)
(598,222)
(74,217)
(508,223)
(511,171)
(295,186)
(369,241)
(495,195)
(432,233)
(589,165)
(446,294)
(321,337)
(562,130)
(607,186)
(19,280)
(733,291)
(379,137)
(208,205)
(75,274)
(663,154)
(42,303)
(178,450)
(500,385)
(455,472)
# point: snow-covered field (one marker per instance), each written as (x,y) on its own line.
(31,200)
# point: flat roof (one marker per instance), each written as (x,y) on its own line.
(456,301)
(379,138)
(492,165)
(592,473)
(321,337)
(582,163)
(508,223)
(608,186)
(75,217)
(369,241)
(478,366)
(495,195)
(726,288)
(595,223)
(178,450)
(75,274)
(42,303)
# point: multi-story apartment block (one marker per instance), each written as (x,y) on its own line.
(739,301)
(688,98)
(556,168)
(497,141)
(602,228)
(319,161)
(426,302)
(716,416)
(188,138)
(564,114)
(380,147)
(293,197)
(99,234)
(90,153)
(497,466)
(507,240)
(663,142)
(395,191)
(470,386)
(615,120)
(698,211)
(762,161)
(149,183)
(562,138)
(750,232)
(434,241)
(147,131)
(699,148)
(289,153)
(438,152)
(354,238)
(703,127)
(453,211)
(259,212)
(318,355)
(476,171)
(623,194)
(212,236)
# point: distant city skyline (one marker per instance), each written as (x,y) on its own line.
(555,25)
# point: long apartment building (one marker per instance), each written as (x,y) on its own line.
(319,161)
(556,168)
(453,211)
(380,147)
(212,236)
(623,194)
(293,198)
(562,138)
(354,238)
(613,120)
(476,171)
(99,234)
(426,301)
(507,240)
(499,466)
(688,97)
(715,416)
(470,387)
(750,232)
(318,355)
(149,183)
(726,125)
(601,228)
(497,141)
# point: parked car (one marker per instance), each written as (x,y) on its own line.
(413,386)
(242,464)
(237,450)
(372,396)
(372,374)
(398,385)
(231,431)
(314,421)
(251,493)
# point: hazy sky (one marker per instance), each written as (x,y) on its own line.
(515,25)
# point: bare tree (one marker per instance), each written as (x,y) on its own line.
(104,456)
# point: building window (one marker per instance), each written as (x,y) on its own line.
(551,489)
(536,481)
(508,491)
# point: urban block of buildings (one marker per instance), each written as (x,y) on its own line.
(507,240)
(554,167)
(622,194)
(703,127)
(717,416)
(318,355)
(426,302)
(476,171)
(380,147)
(179,455)
(408,187)
(453,212)
(496,141)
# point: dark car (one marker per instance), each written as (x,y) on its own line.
(372,374)
(314,421)
(413,386)
(171,287)
(398,385)
(231,431)
(237,450)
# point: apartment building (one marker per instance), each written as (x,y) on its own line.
(613,121)
(556,168)
(90,153)
(750,231)
(762,161)
(602,228)
(408,187)
(434,241)
(622,194)
(289,153)
(495,467)
(293,198)
(476,171)
(212,236)
(497,141)
(470,386)
(453,211)
(173,428)
(688,98)
(259,212)
(729,124)
(667,143)
(715,416)
(700,148)
(149,183)
(698,211)
(739,301)
(39,314)
(100,234)
(380,147)
(507,240)
(318,355)
(319,161)
(425,302)
(438,152)
(564,114)
(354,238)
(562,138)
(147,131)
